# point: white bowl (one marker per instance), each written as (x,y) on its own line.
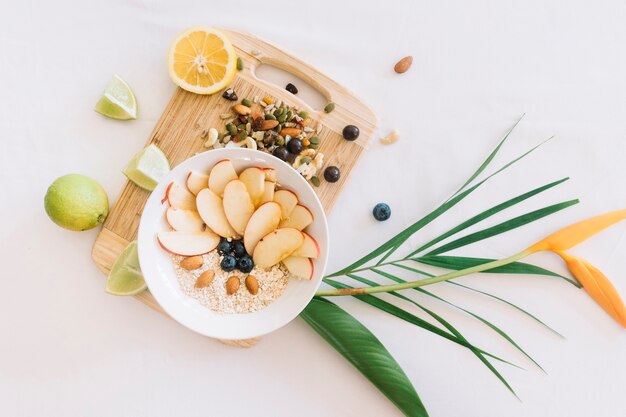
(158,269)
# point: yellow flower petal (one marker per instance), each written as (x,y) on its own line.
(597,286)
(576,233)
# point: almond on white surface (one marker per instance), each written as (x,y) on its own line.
(254,178)
(211,210)
(276,246)
(221,174)
(188,243)
(238,205)
(299,218)
(184,220)
(197,181)
(287,200)
(179,197)
(299,266)
(264,220)
(309,248)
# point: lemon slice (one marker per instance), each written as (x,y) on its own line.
(148,167)
(125,277)
(117,101)
(202,60)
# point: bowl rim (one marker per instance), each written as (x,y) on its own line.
(146,235)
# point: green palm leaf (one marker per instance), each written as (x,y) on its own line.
(363,350)
(503,227)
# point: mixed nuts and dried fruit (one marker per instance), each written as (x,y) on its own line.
(285,131)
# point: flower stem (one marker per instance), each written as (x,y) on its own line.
(423,282)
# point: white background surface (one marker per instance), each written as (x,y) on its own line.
(68,349)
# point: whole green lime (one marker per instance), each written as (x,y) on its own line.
(76,202)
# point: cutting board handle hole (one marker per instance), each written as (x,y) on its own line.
(307,91)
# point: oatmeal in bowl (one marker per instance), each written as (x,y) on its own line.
(234,243)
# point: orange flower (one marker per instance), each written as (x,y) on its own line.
(591,278)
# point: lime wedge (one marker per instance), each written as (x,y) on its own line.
(148,167)
(125,277)
(117,101)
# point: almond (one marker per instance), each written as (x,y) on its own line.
(403,65)
(241,109)
(291,131)
(267,124)
(232,285)
(252,284)
(204,279)
(192,262)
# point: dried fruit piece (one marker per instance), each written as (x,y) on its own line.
(204,279)
(192,262)
(229,94)
(232,285)
(252,284)
(241,109)
(291,88)
(403,65)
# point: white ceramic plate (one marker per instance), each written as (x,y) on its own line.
(158,270)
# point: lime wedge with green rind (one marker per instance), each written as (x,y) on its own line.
(117,101)
(125,277)
(148,167)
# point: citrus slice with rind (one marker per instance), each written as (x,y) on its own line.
(148,167)
(202,60)
(125,277)
(117,101)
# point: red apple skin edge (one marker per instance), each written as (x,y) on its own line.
(310,212)
(180,254)
(167,191)
(317,245)
(312,267)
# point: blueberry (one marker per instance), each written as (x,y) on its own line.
(291,88)
(281,153)
(332,174)
(228,263)
(245,264)
(224,247)
(239,249)
(381,212)
(350,132)
(295,146)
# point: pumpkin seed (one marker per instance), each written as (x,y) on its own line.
(314,140)
(282,118)
(303,114)
(239,64)
(246,102)
(232,129)
(314,145)
(315,181)
(329,107)
(289,114)
(280,141)
(270,117)
(242,135)
(305,160)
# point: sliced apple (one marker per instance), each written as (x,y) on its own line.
(270,174)
(184,220)
(188,243)
(238,205)
(287,200)
(264,221)
(254,178)
(299,218)
(299,266)
(276,246)
(221,174)
(268,192)
(179,197)
(211,211)
(197,181)
(308,249)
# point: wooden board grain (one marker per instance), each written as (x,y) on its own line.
(178,132)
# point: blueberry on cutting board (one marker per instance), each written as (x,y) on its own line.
(381,212)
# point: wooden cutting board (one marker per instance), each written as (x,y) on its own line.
(187,115)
